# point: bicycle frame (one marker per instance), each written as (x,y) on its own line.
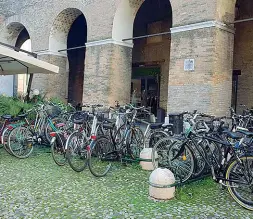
(229,149)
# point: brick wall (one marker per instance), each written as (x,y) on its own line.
(189,12)
(222,73)
(107,76)
(53,85)
(191,90)
(108,67)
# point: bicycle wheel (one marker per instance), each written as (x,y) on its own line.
(161,147)
(156,136)
(176,156)
(120,135)
(58,150)
(135,142)
(199,156)
(5,136)
(77,151)
(213,152)
(240,184)
(20,142)
(99,165)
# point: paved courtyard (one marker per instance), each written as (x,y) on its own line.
(37,188)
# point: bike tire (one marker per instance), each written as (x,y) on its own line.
(58,150)
(99,166)
(135,142)
(181,164)
(5,137)
(20,142)
(77,151)
(245,200)
(199,156)
(156,136)
(214,153)
(160,147)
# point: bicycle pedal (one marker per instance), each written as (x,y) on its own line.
(224,185)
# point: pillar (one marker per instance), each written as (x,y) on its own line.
(206,86)
(107,77)
(53,85)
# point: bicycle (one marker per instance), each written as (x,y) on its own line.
(84,146)
(190,163)
(22,138)
(233,173)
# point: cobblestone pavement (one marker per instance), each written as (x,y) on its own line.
(37,188)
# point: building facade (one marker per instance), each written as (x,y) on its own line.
(202,61)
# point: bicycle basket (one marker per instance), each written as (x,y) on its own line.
(80,117)
(100,116)
(52,111)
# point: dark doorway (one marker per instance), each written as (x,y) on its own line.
(22,37)
(146,86)
(77,37)
(236,74)
(21,81)
(152,54)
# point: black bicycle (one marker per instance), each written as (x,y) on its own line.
(235,170)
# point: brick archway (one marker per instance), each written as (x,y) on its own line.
(69,30)
(125,13)
(17,35)
(61,27)
(147,52)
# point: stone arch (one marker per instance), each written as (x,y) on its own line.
(60,29)
(125,14)
(226,10)
(69,30)
(16,34)
(150,59)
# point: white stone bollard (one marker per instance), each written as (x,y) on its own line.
(146,154)
(159,182)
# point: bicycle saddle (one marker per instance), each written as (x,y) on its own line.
(167,125)
(110,120)
(6,117)
(156,125)
(79,121)
(22,115)
(108,126)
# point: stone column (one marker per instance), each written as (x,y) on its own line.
(53,85)
(107,76)
(208,86)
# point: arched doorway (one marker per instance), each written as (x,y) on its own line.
(21,81)
(151,54)
(243,53)
(77,37)
(18,36)
(68,32)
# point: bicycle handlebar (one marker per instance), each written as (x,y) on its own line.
(92,106)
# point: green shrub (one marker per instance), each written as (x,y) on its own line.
(12,105)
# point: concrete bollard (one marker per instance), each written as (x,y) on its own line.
(159,184)
(146,154)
